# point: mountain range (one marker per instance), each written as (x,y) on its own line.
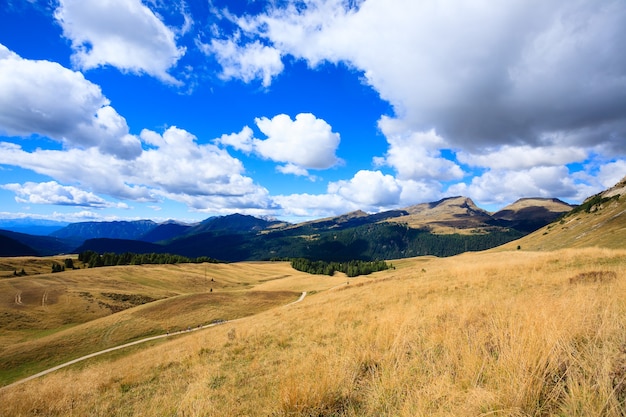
(445,227)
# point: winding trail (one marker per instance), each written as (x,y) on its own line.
(136,342)
(298,300)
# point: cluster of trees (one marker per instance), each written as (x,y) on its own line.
(67,264)
(352,268)
(591,202)
(94,259)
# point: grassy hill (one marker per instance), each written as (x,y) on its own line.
(510,333)
(49,318)
(599,222)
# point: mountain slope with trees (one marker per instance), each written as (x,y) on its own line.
(112,230)
(34,245)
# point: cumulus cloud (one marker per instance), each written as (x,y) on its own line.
(294,170)
(181,166)
(52,192)
(29,104)
(242,141)
(611,173)
(307,141)
(247,63)
(524,157)
(310,206)
(87,168)
(125,34)
(174,167)
(301,144)
(416,155)
(368,188)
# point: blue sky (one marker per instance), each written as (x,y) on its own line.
(187,109)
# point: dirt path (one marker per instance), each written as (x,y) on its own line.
(298,300)
(136,342)
(18,298)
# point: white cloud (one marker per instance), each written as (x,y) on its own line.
(310,206)
(205,177)
(294,170)
(247,63)
(612,173)
(53,193)
(416,192)
(242,141)
(368,189)
(301,144)
(30,104)
(306,142)
(416,155)
(125,34)
(88,168)
(523,157)
(309,32)
(180,166)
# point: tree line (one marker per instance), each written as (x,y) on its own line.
(352,268)
(94,260)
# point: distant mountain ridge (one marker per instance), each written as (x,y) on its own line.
(40,227)
(358,234)
(232,223)
(165,232)
(111,230)
(35,245)
(13,247)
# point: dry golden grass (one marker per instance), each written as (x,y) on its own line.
(48,319)
(486,334)
(32,265)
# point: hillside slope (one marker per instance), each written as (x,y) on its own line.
(600,221)
(482,334)
(25,244)
(13,247)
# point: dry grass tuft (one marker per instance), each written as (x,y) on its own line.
(593,276)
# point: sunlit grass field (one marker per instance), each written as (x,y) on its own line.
(50,318)
(481,334)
